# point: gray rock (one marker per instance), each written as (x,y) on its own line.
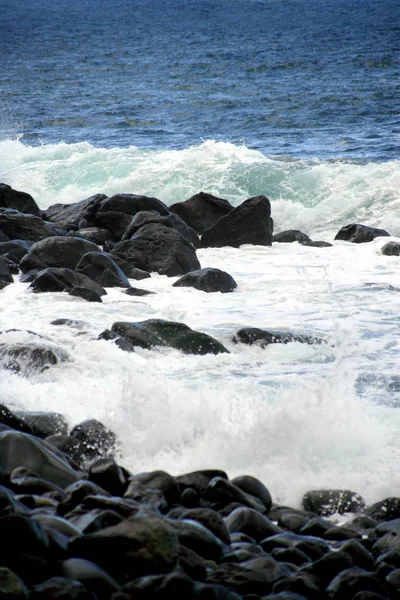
(359,234)
(21,201)
(208,280)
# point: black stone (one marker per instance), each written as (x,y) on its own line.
(252,523)
(85,294)
(44,424)
(132,204)
(61,588)
(208,280)
(351,581)
(291,235)
(359,234)
(385,510)
(202,210)
(15,249)
(115,222)
(263,337)
(130,271)
(21,226)
(171,220)
(105,473)
(391,249)
(101,268)
(254,487)
(248,223)
(97,439)
(76,214)
(58,252)
(91,576)
(96,235)
(137,292)
(155,480)
(21,201)
(59,279)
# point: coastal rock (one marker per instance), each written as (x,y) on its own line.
(171,220)
(91,576)
(15,249)
(359,234)
(105,473)
(57,252)
(248,223)
(254,487)
(199,480)
(75,215)
(10,419)
(115,222)
(351,581)
(208,280)
(86,294)
(101,268)
(391,249)
(252,523)
(97,440)
(202,210)
(5,274)
(291,235)
(317,244)
(131,204)
(56,279)
(264,337)
(208,518)
(177,586)
(137,292)
(20,201)
(221,493)
(196,537)
(26,353)
(61,588)
(141,546)
(157,332)
(159,480)
(158,248)
(130,271)
(44,424)
(96,235)
(385,510)
(19,449)
(21,226)
(329,502)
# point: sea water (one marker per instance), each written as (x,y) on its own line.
(294,100)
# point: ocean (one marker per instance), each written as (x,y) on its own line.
(296,100)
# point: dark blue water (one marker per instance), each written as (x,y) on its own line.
(296,77)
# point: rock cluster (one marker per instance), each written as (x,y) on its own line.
(77,525)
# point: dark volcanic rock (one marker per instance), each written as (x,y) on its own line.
(76,215)
(391,249)
(359,234)
(116,222)
(156,332)
(248,223)
(158,248)
(97,439)
(5,274)
(329,502)
(385,510)
(101,268)
(351,581)
(56,279)
(263,337)
(20,201)
(26,352)
(171,220)
(291,235)
(131,204)
(159,480)
(19,449)
(208,280)
(86,294)
(15,249)
(96,235)
(57,252)
(105,473)
(202,210)
(61,588)
(13,420)
(91,576)
(20,226)
(223,493)
(254,487)
(252,523)
(44,424)
(137,292)
(130,271)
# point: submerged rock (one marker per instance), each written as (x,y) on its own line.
(291,235)
(263,337)
(56,279)
(391,249)
(359,234)
(208,280)
(157,332)
(248,223)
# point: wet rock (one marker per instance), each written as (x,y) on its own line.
(76,214)
(15,249)
(97,440)
(316,526)
(329,566)
(101,268)
(290,555)
(171,220)
(59,279)
(359,234)
(31,485)
(304,584)
(313,547)
(11,586)
(96,235)
(58,252)
(25,353)
(143,546)
(132,204)
(159,587)
(358,554)
(293,521)
(86,294)
(208,518)
(252,523)
(291,235)
(193,535)
(130,271)
(208,280)
(91,576)
(20,201)
(385,510)
(264,337)
(21,226)
(70,446)
(19,449)
(351,581)
(137,292)
(317,244)
(44,424)
(7,417)
(156,480)
(199,480)
(75,493)
(115,222)
(105,473)
(391,249)
(156,332)
(329,502)
(202,210)
(158,248)
(61,588)
(119,341)
(221,493)
(254,487)
(248,223)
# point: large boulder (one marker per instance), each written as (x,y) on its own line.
(19,449)
(248,223)
(101,268)
(15,249)
(151,216)
(56,279)
(329,502)
(57,252)
(132,204)
(264,337)
(155,247)
(291,235)
(208,280)
(21,226)
(157,332)
(359,234)
(75,215)
(115,222)
(20,201)
(202,210)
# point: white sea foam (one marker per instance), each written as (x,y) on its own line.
(296,416)
(315,196)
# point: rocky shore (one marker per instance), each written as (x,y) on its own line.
(77,525)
